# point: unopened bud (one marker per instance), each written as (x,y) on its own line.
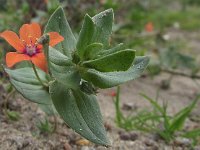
(43,39)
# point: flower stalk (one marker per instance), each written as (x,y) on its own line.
(37,76)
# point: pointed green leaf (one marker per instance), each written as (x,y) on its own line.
(92,50)
(26,83)
(103,22)
(192,134)
(63,69)
(58,23)
(80,111)
(110,79)
(95,30)
(111,50)
(180,117)
(58,58)
(119,61)
(48,109)
(85,36)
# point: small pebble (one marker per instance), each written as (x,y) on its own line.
(87,148)
(108,127)
(183,142)
(129,106)
(67,146)
(82,142)
(128,136)
(151,144)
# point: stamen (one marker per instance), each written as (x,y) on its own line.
(36,41)
(30,37)
(24,42)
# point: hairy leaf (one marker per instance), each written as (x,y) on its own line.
(80,111)
(26,83)
(58,23)
(119,61)
(63,69)
(110,79)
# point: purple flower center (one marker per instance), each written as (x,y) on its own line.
(31,50)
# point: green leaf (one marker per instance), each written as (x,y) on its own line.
(63,69)
(192,134)
(110,79)
(58,58)
(26,83)
(92,50)
(180,117)
(48,109)
(119,61)
(111,50)
(58,23)
(95,30)
(103,22)
(80,111)
(85,36)
(13,115)
(154,103)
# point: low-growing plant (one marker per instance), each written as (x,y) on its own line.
(45,126)
(157,120)
(68,76)
(13,115)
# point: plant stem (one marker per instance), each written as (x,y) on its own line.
(37,76)
(6,101)
(117,108)
(55,124)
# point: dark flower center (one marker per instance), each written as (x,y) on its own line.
(31,50)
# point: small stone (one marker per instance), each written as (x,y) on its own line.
(151,144)
(183,142)
(124,136)
(129,106)
(67,146)
(82,142)
(128,136)
(87,148)
(165,84)
(133,136)
(108,127)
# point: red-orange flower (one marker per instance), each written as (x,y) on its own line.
(27,46)
(149,27)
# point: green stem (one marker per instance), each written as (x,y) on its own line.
(6,102)
(55,124)
(37,76)
(117,107)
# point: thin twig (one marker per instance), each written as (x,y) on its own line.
(181,73)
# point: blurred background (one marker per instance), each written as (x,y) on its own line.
(154,27)
(166,30)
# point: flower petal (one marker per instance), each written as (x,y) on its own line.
(12,58)
(55,38)
(40,61)
(30,32)
(39,47)
(13,39)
